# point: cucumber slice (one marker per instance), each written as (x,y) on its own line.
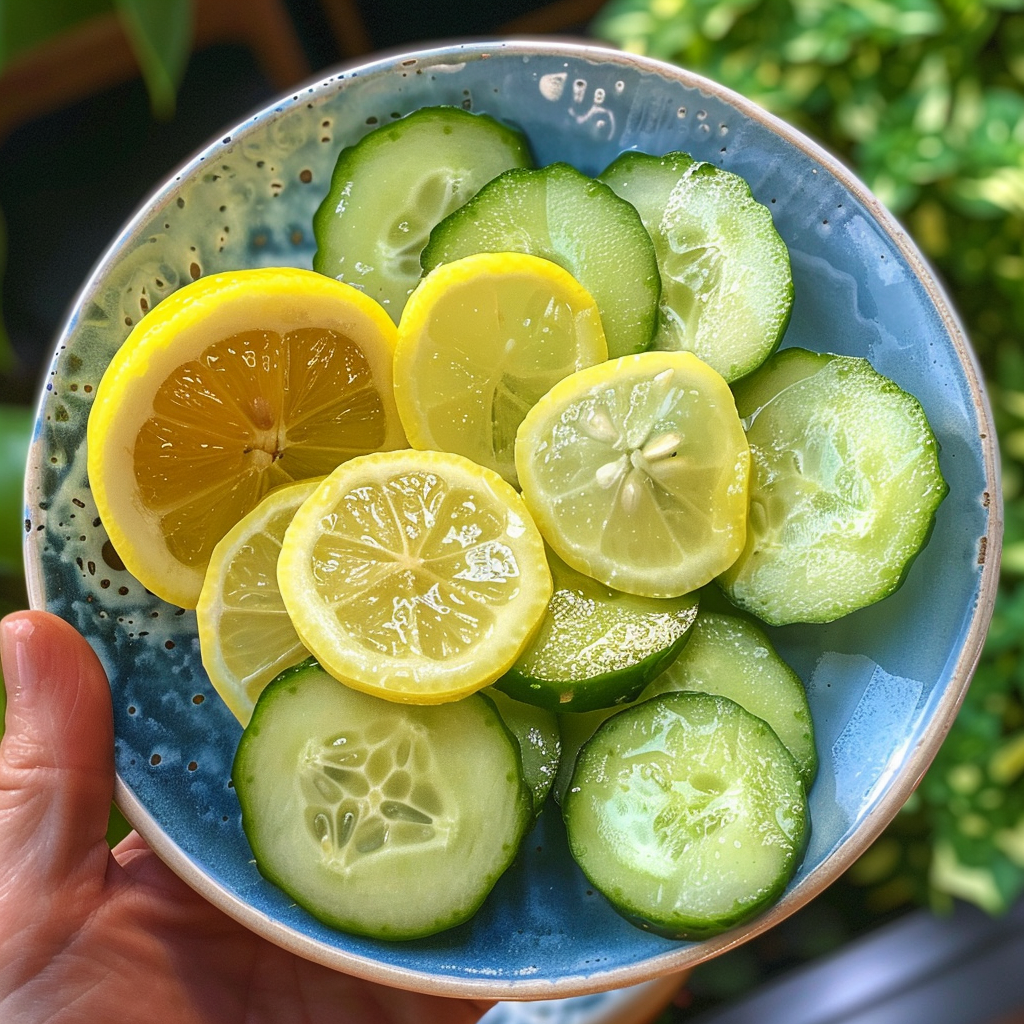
(687,813)
(597,646)
(395,184)
(726,283)
(539,742)
(733,658)
(580,224)
(844,486)
(382,819)
(778,372)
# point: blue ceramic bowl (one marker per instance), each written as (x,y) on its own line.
(884,683)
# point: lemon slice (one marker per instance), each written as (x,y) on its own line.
(415,576)
(636,471)
(245,635)
(229,387)
(481,340)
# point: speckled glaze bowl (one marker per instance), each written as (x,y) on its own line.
(884,683)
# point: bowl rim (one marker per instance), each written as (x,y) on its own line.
(917,760)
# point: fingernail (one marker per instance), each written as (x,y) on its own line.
(15,633)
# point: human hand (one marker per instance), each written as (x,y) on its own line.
(97,936)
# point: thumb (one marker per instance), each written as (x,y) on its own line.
(56,756)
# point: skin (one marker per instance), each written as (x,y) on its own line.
(94,936)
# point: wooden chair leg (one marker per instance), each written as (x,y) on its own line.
(263,26)
(350,31)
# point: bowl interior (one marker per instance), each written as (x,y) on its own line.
(884,683)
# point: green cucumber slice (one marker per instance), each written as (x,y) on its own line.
(561,215)
(844,487)
(726,283)
(733,658)
(539,742)
(782,369)
(687,813)
(383,819)
(390,188)
(597,646)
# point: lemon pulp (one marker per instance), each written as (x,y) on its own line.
(231,424)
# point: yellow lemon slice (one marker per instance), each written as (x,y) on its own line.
(415,576)
(229,387)
(245,635)
(480,341)
(636,471)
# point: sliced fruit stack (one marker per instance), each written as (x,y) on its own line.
(442,483)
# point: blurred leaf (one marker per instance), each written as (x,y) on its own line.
(15,433)
(160,33)
(161,36)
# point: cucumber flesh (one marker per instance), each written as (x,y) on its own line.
(733,658)
(390,189)
(382,819)
(597,647)
(726,282)
(844,486)
(539,742)
(782,369)
(687,813)
(561,215)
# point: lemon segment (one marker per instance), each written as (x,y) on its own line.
(415,576)
(636,472)
(245,635)
(234,384)
(481,340)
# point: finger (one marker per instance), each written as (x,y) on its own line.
(56,756)
(401,1007)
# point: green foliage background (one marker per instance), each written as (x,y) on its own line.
(924,100)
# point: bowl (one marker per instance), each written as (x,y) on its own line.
(884,683)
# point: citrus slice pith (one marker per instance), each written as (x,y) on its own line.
(415,576)
(636,472)
(245,635)
(481,340)
(229,387)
